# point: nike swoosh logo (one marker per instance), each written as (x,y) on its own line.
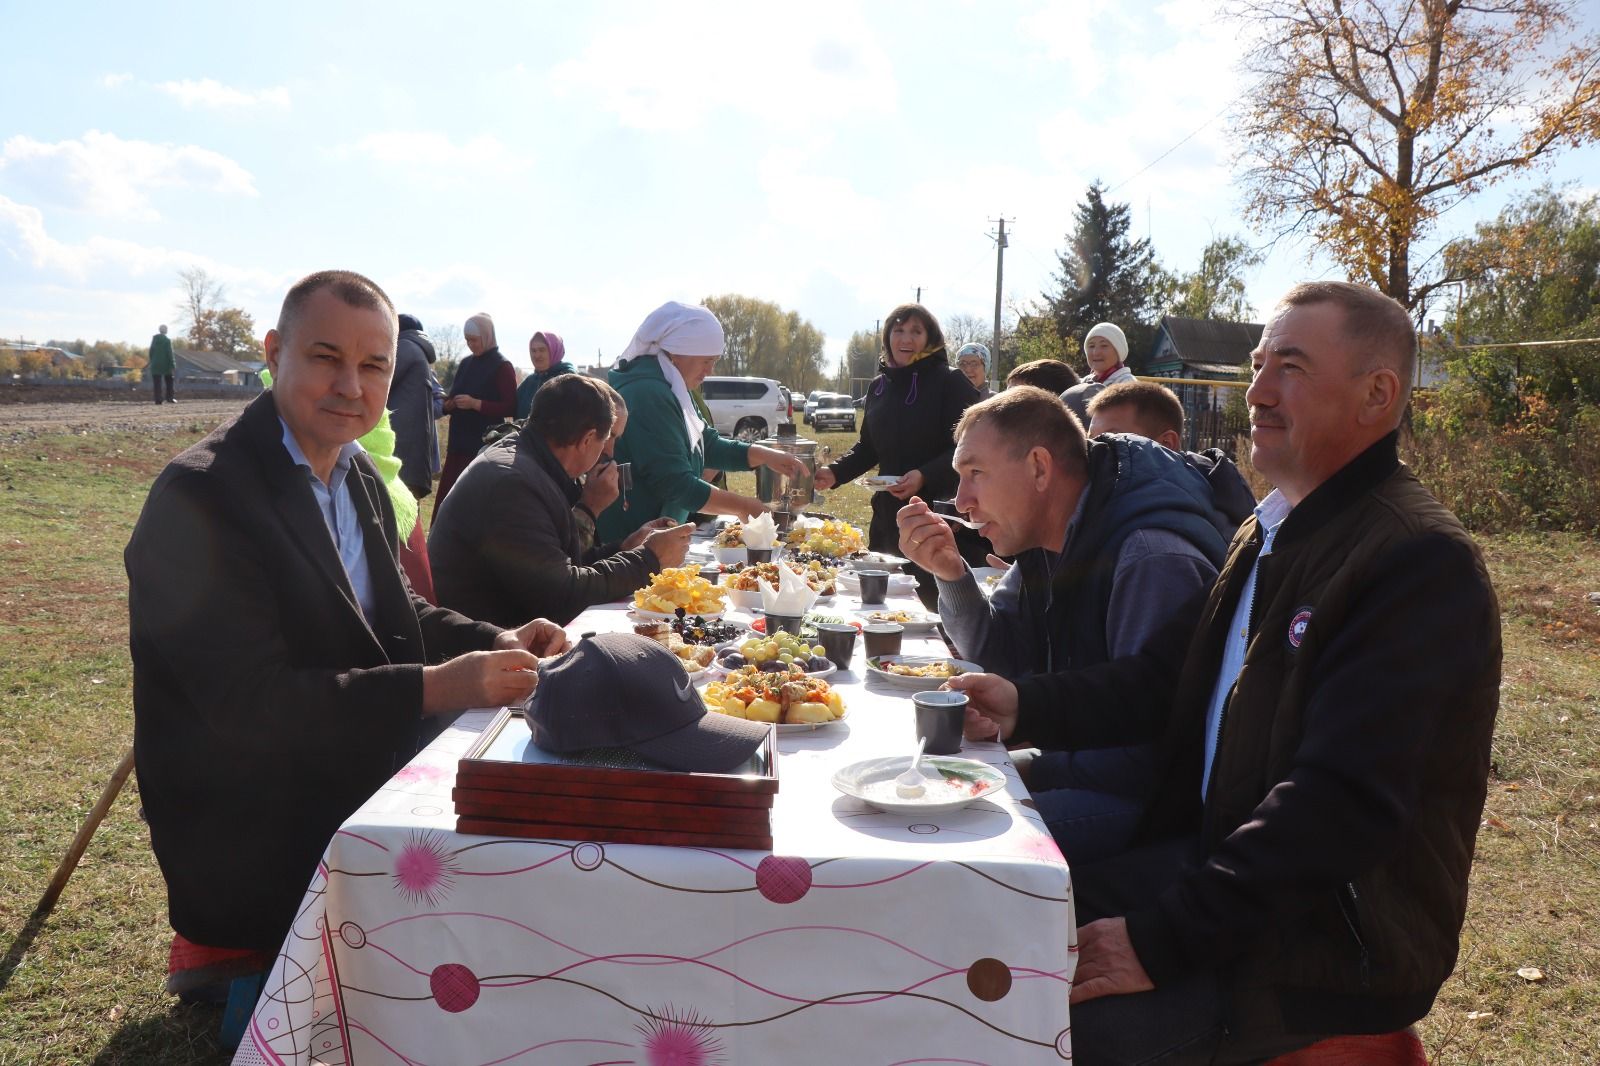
(683,687)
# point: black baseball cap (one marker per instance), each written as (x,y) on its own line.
(621,690)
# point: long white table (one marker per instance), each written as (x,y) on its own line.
(863,938)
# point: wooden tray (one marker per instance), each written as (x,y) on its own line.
(604,835)
(506,785)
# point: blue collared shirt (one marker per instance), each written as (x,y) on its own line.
(340,514)
(1270,513)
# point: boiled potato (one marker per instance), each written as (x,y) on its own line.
(808,713)
(763,711)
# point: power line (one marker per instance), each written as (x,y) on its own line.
(1174,148)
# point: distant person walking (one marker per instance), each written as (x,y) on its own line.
(161,364)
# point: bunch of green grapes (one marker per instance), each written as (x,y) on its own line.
(775,653)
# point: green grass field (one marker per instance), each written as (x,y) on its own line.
(87,987)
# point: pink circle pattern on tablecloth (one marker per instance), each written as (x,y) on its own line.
(454,987)
(783,878)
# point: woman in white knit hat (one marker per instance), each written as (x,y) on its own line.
(1106,348)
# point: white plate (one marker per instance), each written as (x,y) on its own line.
(917,621)
(728,555)
(722,671)
(810,727)
(864,781)
(639,614)
(988,577)
(878,482)
(877,561)
(916,684)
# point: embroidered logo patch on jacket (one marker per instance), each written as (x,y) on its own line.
(1297,626)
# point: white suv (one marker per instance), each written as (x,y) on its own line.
(747,408)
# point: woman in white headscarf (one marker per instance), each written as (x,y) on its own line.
(666,441)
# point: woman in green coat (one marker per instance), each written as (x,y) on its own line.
(668,442)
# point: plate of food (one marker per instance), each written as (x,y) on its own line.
(988,577)
(958,783)
(830,537)
(915,621)
(880,482)
(775,654)
(787,698)
(746,578)
(808,624)
(877,561)
(918,673)
(677,587)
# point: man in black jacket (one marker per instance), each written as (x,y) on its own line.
(411,406)
(282,669)
(504,540)
(1307,858)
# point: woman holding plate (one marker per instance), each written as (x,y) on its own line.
(907,430)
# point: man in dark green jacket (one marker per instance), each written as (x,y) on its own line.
(1305,864)
(161,364)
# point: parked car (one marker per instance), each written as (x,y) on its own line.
(811,404)
(747,408)
(834,411)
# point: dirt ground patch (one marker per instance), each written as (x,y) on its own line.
(45,412)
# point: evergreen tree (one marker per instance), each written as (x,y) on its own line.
(1106,277)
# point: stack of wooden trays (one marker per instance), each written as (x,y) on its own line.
(507,786)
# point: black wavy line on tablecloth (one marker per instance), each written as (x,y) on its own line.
(645,1013)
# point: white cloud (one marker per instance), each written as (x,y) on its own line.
(791,67)
(426,147)
(115,81)
(210,93)
(106,175)
(24,241)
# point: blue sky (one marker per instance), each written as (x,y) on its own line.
(569,167)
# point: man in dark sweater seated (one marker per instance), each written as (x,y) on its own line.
(504,540)
(1114,539)
(1302,872)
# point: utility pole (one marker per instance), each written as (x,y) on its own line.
(1000,243)
(919,294)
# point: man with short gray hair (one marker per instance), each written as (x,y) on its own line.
(1303,871)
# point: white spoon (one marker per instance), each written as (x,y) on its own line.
(956,520)
(909,785)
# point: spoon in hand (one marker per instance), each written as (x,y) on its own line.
(909,785)
(957,520)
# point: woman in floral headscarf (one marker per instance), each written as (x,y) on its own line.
(667,441)
(548,353)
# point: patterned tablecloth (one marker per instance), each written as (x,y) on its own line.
(865,938)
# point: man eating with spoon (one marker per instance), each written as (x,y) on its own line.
(1113,539)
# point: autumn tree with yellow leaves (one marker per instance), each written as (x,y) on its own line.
(1367,119)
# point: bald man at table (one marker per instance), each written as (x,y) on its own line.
(283,669)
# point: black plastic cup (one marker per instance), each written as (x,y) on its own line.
(874,585)
(883,638)
(758,555)
(940,715)
(782,623)
(838,642)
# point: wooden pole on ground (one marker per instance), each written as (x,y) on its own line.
(80,843)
